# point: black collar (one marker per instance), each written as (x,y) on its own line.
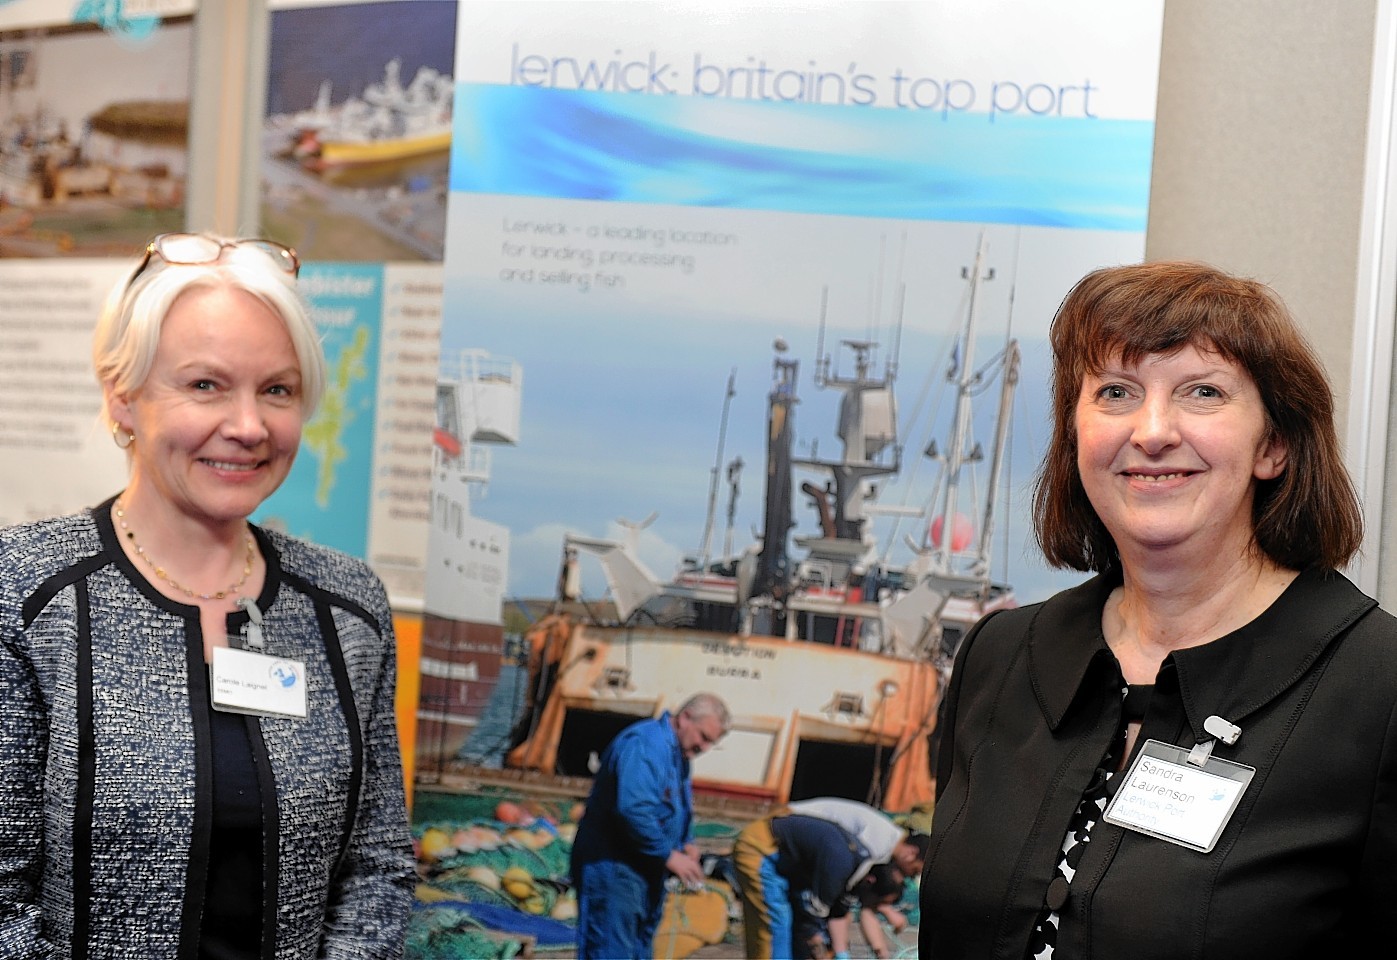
(1232,676)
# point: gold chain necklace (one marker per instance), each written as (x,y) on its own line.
(233,589)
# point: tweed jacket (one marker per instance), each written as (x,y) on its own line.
(1306,866)
(106,788)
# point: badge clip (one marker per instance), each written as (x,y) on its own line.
(1200,753)
(1227,732)
(253,630)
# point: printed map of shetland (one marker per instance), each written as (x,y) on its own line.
(324,434)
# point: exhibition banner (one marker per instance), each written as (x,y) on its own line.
(360,481)
(563,303)
(94,161)
(656,208)
(134,19)
(59,455)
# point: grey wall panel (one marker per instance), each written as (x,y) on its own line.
(1261,166)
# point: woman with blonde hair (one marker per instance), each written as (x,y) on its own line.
(198,754)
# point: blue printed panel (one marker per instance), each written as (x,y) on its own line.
(1075,172)
(326,498)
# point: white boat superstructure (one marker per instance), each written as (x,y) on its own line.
(478,406)
(387,121)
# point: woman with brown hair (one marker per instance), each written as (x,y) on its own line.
(1194,753)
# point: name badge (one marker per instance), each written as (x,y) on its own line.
(1166,796)
(245,682)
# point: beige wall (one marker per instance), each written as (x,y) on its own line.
(1259,150)
(230,57)
(1261,167)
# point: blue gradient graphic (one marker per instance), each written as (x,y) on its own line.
(801,158)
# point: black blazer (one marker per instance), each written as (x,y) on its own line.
(1307,865)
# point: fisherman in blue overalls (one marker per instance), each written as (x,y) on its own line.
(637,829)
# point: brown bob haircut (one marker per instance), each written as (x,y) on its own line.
(1306,518)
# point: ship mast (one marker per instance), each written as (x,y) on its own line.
(866,430)
(773,562)
(956,456)
(1001,428)
(867,426)
(717,466)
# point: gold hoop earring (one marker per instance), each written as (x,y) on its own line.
(116,437)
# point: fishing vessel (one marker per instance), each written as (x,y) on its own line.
(830,657)
(388,122)
(477,409)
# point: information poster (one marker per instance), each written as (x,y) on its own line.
(360,481)
(94,125)
(656,209)
(94,115)
(57,451)
(355,145)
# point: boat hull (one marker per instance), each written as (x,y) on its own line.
(332,154)
(808,719)
(460,667)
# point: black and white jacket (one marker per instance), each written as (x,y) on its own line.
(106,783)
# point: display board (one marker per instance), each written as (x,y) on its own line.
(646,197)
(355,144)
(630,204)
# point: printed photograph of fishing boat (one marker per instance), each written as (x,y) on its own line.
(830,652)
(866,502)
(357,130)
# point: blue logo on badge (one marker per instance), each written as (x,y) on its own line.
(283,673)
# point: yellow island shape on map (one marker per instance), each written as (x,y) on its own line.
(323,434)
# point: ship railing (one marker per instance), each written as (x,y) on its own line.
(832,605)
(478,365)
(725,593)
(816,573)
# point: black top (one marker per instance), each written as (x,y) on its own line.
(232,924)
(1137,702)
(1307,863)
(818,858)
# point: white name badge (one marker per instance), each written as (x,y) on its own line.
(245,682)
(1167,797)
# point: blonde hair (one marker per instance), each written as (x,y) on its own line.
(128,329)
